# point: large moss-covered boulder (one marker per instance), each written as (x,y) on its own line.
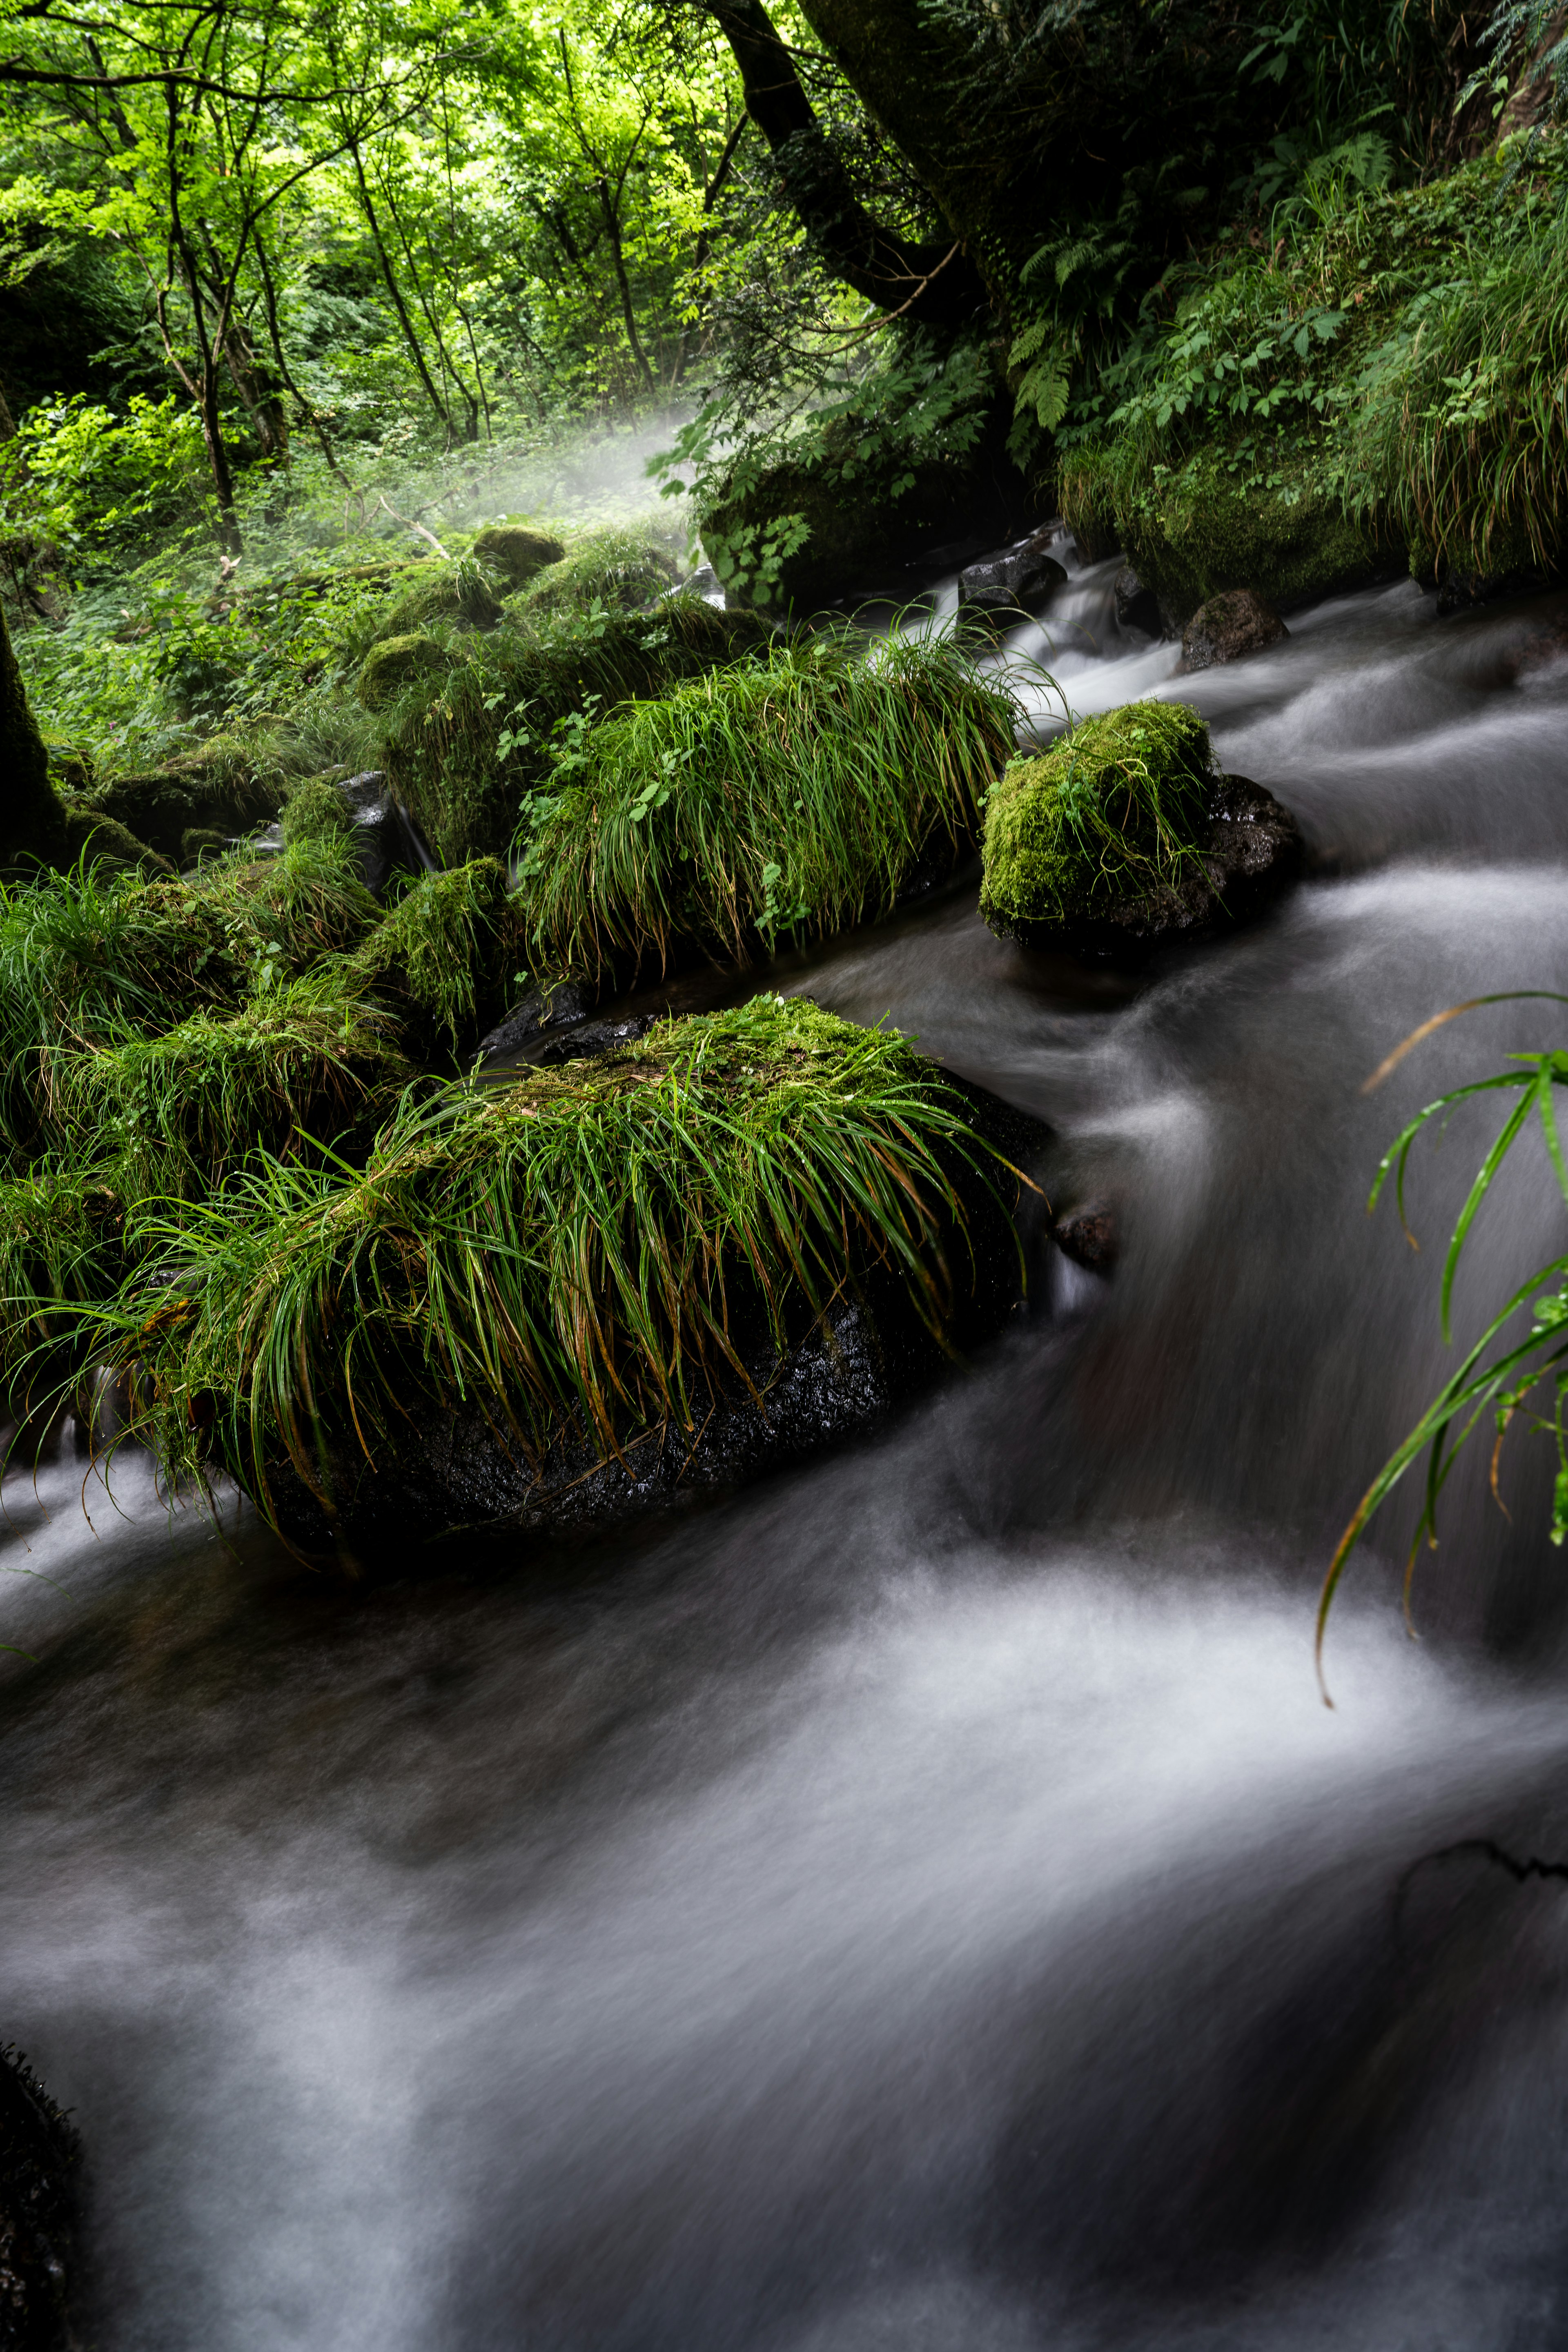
(516,553)
(1202,530)
(457,595)
(621,570)
(214,787)
(1124,837)
(595,1290)
(102,840)
(397,662)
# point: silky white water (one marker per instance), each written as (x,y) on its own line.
(923,1904)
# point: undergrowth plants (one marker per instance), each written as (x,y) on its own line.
(790,793)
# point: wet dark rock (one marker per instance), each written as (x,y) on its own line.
(1462,591)
(586,1039)
(381,830)
(1089,1236)
(1015,580)
(1137,607)
(1228,627)
(1250,850)
(541,1011)
(39,2159)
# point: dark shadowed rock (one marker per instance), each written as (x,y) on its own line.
(542,1009)
(1460,591)
(1015,580)
(1137,607)
(1227,628)
(1089,1236)
(39,2156)
(381,832)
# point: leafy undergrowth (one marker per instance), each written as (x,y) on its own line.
(577,1247)
(1111,811)
(449,947)
(795,794)
(1388,369)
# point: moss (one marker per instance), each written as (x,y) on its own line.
(217,786)
(449,947)
(465,747)
(622,569)
(1193,532)
(515,553)
(200,841)
(309,1062)
(395,663)
(580,1251)
(1110,812)
(315,811)
(458,596)
(101,840)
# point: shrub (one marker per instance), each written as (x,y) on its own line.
(797,793)
(1110,812)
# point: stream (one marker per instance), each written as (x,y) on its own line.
(921,1905)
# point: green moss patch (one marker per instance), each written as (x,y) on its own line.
(395,663)
(793,793)
(621,570)
(466,745)
(516,553)
(449,947)
(579,1250)
(458,594)
(1112,812)
(315,811)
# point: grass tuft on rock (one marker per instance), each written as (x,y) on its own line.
(315,811)
(1112,811)
(793,793)
(61,1236)
(174,1115)
(577,1252)
(449,947)
(465,743)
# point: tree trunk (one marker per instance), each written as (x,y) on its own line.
(937,284)
(32,821)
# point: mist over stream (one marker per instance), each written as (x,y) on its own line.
(922,1903)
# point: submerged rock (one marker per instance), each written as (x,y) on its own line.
(1228,627)
(1123,838)
(39,2159)
(1089,1236)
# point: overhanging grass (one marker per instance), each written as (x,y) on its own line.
(177,1114)
(577,1252)
(1112,811)
(61,1244)
(449,947)
(792,793)
(466,744)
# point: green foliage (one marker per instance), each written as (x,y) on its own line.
(792,793)
(175,1114)
(573,1253)
(465,749)
(90,479)
(449,947)
(1112,811)
(61,1245)
(315,811)
(1498,1377)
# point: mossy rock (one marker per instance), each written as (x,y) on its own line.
(448,952)
(622,569)
(1198,532)
(106,842)
(443,746)
(397,662)
(818,1216)
(202,841)
(459,597)
(71,770)
(1123,837)
(314,811)
(214,787)
(516,553)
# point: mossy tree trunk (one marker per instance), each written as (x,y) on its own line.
(32,821)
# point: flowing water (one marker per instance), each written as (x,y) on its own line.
(921,1906)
